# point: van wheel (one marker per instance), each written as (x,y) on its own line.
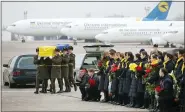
(12,85)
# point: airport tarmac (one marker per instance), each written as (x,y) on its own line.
(23,99)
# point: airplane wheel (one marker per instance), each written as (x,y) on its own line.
(75,43)
(173,46)
(167,45)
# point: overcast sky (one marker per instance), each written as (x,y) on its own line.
(13,11)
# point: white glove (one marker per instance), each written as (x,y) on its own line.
(50,57)
(45,58)
(38,58)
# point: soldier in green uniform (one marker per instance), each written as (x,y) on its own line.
(37,62)
(65,69)
(56,69)
(71,66)
(42,73)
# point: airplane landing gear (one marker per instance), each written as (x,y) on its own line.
(74,42)
(167,45)
(173,46)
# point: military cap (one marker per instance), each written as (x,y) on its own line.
(70,47)
(65,49)
(57,50)
(37,49)
(141,50)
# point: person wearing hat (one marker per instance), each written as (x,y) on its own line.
(71,67)
(56,69)
(65,70)
(37,62)
(141,50)
(42,74)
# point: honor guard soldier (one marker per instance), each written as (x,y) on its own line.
(56,69)
(42,73)
(37,62)
(71,66)
(65,70)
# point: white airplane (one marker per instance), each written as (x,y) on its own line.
(137,34)
(52,27)
(91,29)
(177,38)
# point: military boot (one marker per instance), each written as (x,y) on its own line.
(75,87)
(36,92)
(53,91)
(67,89)
(60,91)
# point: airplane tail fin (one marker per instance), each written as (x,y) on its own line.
(160,12)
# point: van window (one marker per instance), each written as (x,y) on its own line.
(26,63)
(90,60)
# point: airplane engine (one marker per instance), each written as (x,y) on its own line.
(158,40)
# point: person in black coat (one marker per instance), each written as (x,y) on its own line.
(114,80)
(178,65)
(165,92)
(140,85)
(84,80)
(92,92)
(127,78)
(182,91)
(103,85)
(133,87)
(168,63)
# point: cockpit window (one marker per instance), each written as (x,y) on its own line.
(13,25)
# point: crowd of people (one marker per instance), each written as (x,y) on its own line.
(59,67)
(154,81)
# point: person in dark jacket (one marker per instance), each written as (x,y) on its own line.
(84,80)
(65,70)
(56,69)
(178,65)
(71,67)
(103,85)
(142,99)
(127,79)
(42,73)
(168,64)
(182,87)
(133,87)
(37,62)
(115,81)
(109,64)
(92,92)
(165,91)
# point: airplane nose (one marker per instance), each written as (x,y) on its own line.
(9,29)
